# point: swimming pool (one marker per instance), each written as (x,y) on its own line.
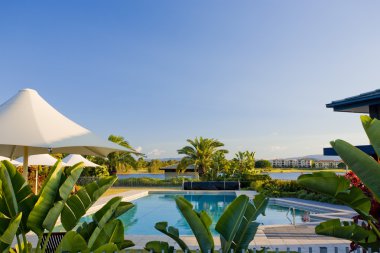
(161,207)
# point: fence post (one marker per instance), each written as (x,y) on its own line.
(310,250)
(336,249)
(322,249)
(299,250)
(287,250)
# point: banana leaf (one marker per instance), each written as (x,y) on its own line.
(9,234)
(25,197)
(364,166)
(236,226)
(172,232)
(346,230)
(103,215)
(372,128)
(228,224)
(101,218)
(198,222)
(113,232)
(77,205)
(107,248)
(72,242)
(7,192)
(338,187)
(73,174)
(159,247)
(122,208)
(86,230)
(324,182)
(4,222)
(45,201)
(64,192)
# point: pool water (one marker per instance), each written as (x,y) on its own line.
(155,207)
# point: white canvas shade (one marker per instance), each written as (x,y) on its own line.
(29,125)
(73,159)
(14,162)
(41,159)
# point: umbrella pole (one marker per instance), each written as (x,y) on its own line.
(25,165)
(36,190)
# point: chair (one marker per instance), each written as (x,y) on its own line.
(54,241)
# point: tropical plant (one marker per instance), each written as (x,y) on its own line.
(21,208)
(220,165)
(120,160)
(263,164)
(243,163)
(236,226)
(104,233)
(200,154)
(364,229)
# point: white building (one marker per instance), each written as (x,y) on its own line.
(292,163)
(323,164)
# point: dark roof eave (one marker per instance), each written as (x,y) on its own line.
(362,100)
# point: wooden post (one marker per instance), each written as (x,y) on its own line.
(25,165)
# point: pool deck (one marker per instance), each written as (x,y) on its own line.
(271,236)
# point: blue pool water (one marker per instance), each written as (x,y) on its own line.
(161,207)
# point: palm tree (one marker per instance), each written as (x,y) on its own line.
(119,160)
(244,162)
(200,154)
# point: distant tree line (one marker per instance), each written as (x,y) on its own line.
(206,155)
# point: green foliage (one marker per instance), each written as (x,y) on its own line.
(290,188)
(172,232)
(6,238)
(118,161)
(262,164)
(150,182)
(159,247)
(78,204)
(220,167)
(364,201)
(105,229)
(243,163)
(237,226)
(199,223)
(101,171)
(342,165)
(21,210)
(200,153)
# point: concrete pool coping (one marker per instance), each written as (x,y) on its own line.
(272,236)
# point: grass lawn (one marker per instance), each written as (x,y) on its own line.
(115,190)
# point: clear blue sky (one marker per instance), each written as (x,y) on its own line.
(255,75)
